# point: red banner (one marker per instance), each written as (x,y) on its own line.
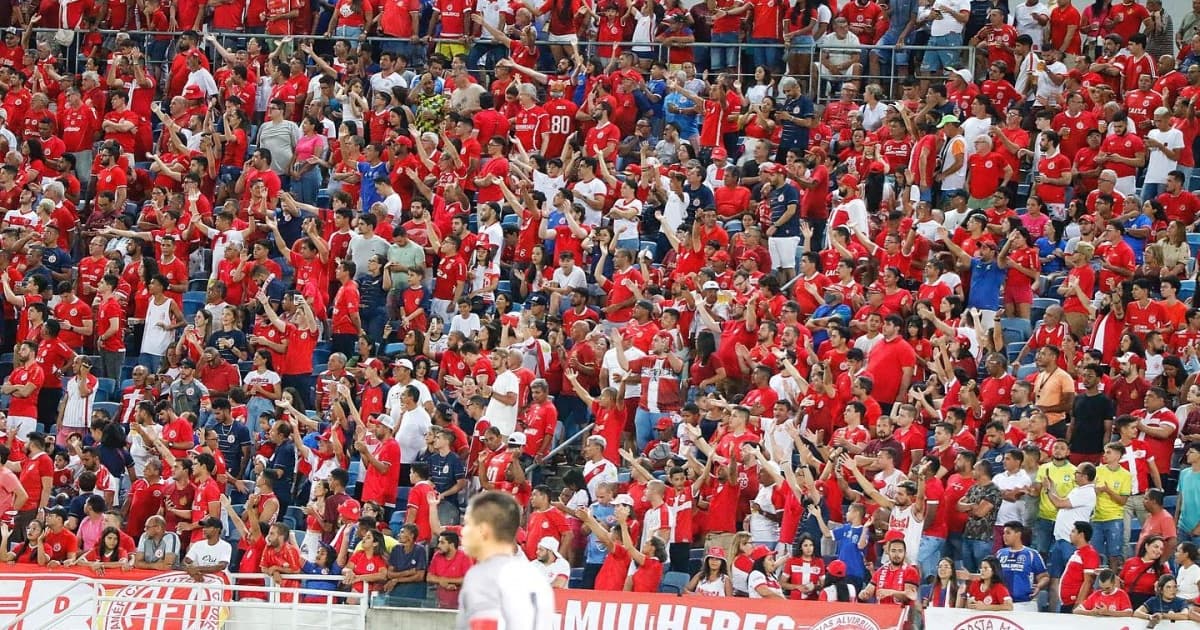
(164,600)
(606,610)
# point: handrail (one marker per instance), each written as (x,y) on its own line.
(558,449)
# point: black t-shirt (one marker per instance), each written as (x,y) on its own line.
(1089,415)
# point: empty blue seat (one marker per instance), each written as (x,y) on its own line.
(113,409)
(674,582)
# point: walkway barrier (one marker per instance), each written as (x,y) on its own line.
(37,598)
(962,619)
(745,51)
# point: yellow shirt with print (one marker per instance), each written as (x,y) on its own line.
(1121,482)
(1063,478)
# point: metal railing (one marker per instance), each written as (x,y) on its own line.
(560,448)
(284,605)
(745,49)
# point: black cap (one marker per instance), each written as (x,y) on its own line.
(211,522)
(187,363)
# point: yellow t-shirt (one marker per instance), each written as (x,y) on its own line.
(1121,482)
(1063,479)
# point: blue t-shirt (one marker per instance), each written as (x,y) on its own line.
(688,123)
(781,198)
(1019,570)
(1045,248)
(596,551)
(986,280)
(1189,494)
(846,537)
(369,174)
(445,470)
(1138,245)
(995,457)
(698,199)
(841,311)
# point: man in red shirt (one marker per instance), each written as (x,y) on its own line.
(1079,570)
(346,321)
(539,421)
(23,385)
(1179,204)
(896,581)
(891,363)
(58,544)
(544,521)
(1117,260)
(381,461)
(1123,152)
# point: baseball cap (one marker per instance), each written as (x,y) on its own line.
(211,522)
(894,536)
(965,75)
(710,285)
(721,255)
(664,422)
(623,499)
(373,363)
(549,543)
(716,552)
(837,569)
(193,92)
(848,180)
(719,153)
(187,363)
(517,439)
(660,452)
(350,510)
(404,363)
(948,119)
(760,552)
(818,152)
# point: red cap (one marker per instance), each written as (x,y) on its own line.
(404,141)
(893,536)
(819,152)
(849,181)
(1075,75)
(350,510)
(719,153)
(1089,218)
(716,552)
(721,255)
(634,169)
(664,422)
(193,92)
(760,552)
(837,569)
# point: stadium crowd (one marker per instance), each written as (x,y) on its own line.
(869,322)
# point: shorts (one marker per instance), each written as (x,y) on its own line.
(647,55)
(885,48)
(562,40)
(1107,538)
(849,73)
(803,45)
(22,426)
(1018,294)
(783,251)
(938,60)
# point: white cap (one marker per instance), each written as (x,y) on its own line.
(711,284)
(965,74)
(623,499)
(549,543)
(517,439)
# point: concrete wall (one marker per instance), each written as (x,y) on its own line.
(409,619)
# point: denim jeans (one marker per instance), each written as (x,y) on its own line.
(305,187)
(486,53)
(938,60)
(767,53)
(152,362)
(974,551)
(1108,538)
(724,57)
(643,422)
(930,554)
(1043,536)
(954,549)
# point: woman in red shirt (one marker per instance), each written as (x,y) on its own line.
(1140,574)
(107,554)
(368,567)
(1024,265)
(988,592)
(648,560)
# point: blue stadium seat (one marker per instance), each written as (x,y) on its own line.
(1025,370)
(674,582)
(1023,327)
(105,388)
(504,286)
(1187,288)
(576,580)
(733,226)
(393,348)
(113,409)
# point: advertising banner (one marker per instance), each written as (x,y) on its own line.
(963,619)
(69,598)
(607,610)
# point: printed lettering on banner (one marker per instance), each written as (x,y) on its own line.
(592,610)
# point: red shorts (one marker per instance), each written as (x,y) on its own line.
(1018,294)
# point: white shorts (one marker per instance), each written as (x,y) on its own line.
(783,251)
(441,309)
(22,426)
(571,38)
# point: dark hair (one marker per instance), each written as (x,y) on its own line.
(499,511)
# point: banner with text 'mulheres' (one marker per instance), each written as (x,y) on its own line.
(606,610)
(69,598)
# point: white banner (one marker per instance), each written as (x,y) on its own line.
(963,619)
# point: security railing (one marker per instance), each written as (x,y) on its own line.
(745,52)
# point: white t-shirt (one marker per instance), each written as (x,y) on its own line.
(574,280)
(627,228)
(946,24)
(263,379)
(381,83)
(761,527)
(502,416)
(1159,164)
(414,424)
(616,374)
(202,554)
(1186,578)
(1012,510)
(468,325)
(1023,18)
(592,190)
(1047,89)
(554,570)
